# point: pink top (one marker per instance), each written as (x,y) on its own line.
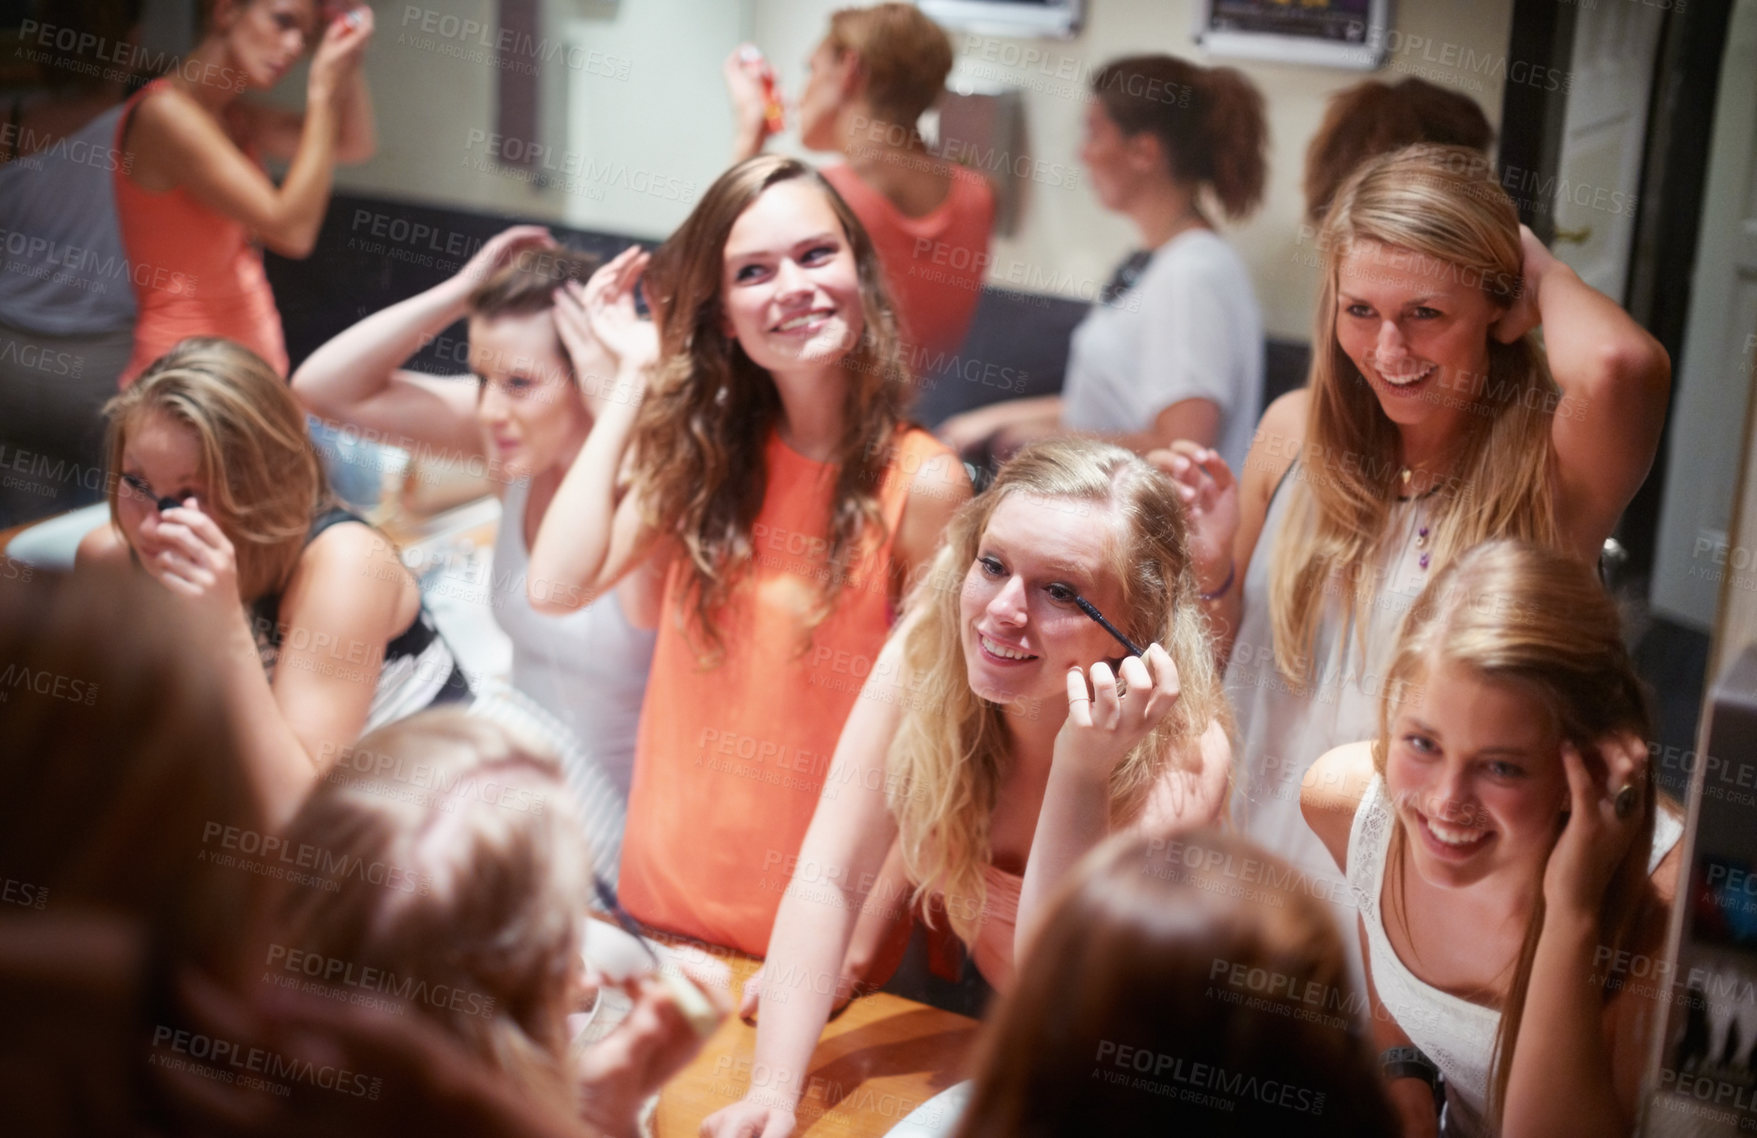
(993,950)
(934,264)
(195,272)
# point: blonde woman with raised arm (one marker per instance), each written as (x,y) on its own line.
(1434,420)
(1004,733)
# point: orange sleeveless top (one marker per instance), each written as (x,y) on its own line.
(731,757)
(195,272)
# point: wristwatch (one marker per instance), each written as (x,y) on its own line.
(1410,1063)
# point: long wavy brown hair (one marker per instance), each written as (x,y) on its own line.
(1515,613)
(1441,203)
(951,752)
(699,443)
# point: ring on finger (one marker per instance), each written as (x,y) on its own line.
(1624,803)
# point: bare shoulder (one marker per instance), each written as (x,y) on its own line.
(938,485)
(352,574)
(1275,445)
(102,548)
(1332,792)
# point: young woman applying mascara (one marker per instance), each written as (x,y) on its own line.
(1009,731)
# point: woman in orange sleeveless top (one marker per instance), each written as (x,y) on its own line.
(771,481)
(190,195)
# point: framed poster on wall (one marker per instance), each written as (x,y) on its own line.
(1020,19)
(1325,33)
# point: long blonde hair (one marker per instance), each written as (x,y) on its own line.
(700,439)
(1515,613)
(463,876)
(951,752)
(1440,203)
(265,482)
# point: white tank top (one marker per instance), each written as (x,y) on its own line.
(1457,1035)
(588,669)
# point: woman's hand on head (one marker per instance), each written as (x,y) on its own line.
(1523,316)
(339,53)
(1209,493)
(198,561)
(1105,723)
(500,250)
(1595,839)
(610,344)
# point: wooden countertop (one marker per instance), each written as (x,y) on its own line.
(882,1058)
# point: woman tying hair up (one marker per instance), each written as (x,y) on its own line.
(877,71)
(219,495)
(1433,421)
(1174,348)
(1005,732)
(1499,834)
(193,198)
(524,415)
(771,477)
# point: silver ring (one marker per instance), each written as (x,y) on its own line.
(1624,804)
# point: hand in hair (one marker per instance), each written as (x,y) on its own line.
(1594,839)
(1105,723)
(200,562)
(1210,496)
(1524,316)
(601,317)
(499,251)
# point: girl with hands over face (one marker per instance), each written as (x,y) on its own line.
(992,743)
(220,497)
(1503,840)
(194,202)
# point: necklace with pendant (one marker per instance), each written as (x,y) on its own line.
(1421,532)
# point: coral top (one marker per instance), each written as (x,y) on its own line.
(732,755)
(934,264)
(195,272)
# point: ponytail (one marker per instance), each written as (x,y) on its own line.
(1237,135)
(1209,121)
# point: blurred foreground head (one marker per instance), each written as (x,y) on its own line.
(120,787)
(1179,986)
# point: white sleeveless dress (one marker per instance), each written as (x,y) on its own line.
(1281,732)
(586,674)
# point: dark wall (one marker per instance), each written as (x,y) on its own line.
(373,252)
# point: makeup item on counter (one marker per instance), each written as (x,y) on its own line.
(607,898)
(774,114)
(618,958)
(1091,610)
